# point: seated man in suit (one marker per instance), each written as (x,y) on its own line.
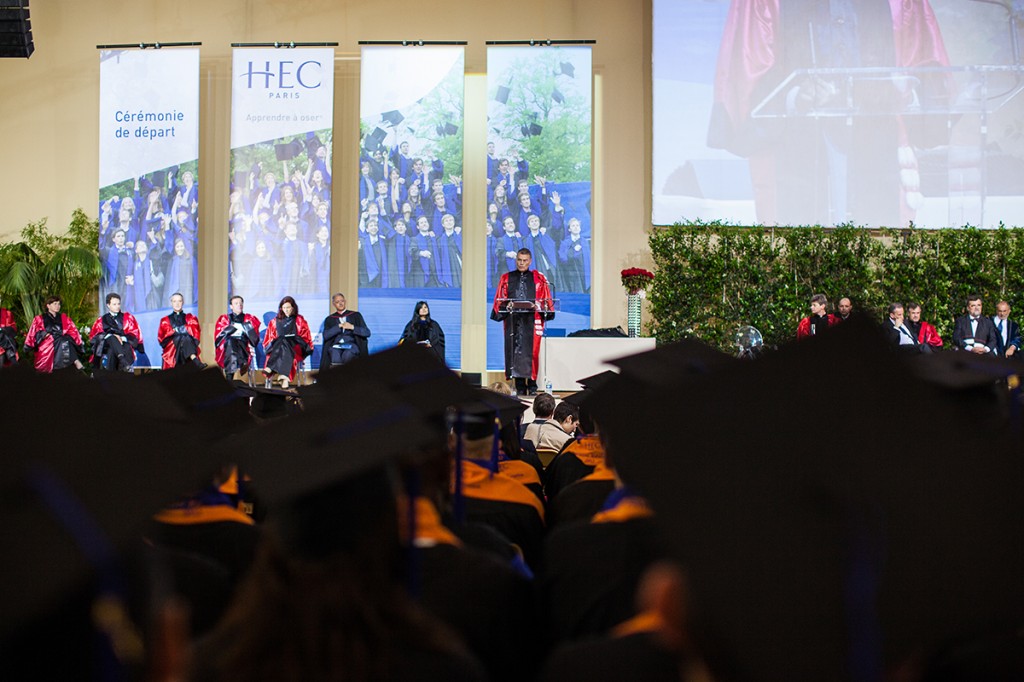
(924,331)
(1007,331)
(974,332)
(897,332)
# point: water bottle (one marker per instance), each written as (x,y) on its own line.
(547,386)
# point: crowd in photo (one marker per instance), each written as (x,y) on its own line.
(410,217)
(279,223)
(524,214)
(148,240)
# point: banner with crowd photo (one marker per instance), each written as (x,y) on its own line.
(539,122)
(280,203)
(149,184)
(410,194)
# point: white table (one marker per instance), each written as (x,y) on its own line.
(564,360)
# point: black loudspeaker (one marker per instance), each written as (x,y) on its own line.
(15,29)
(472,378)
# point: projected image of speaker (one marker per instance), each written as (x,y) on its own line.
(15,29)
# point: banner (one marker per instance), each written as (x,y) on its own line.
(149,184)
(279,209)
(539,177)
(410,195)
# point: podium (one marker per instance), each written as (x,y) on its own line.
(531,305)
(928,100)
(564,360)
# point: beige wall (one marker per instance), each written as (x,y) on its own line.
(49,113)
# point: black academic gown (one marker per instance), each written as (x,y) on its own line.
(591,572)
(486,602)
(633,658)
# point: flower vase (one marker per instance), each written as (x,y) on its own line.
(633,314)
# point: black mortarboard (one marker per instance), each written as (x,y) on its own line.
(74,495)
(321,446)
(288,150)
(531,130)
(502,94)
(241,180)
(159,179)
(447,130)
(392,117)
(668,362)
(567,68)
(557,96)
(479,414)
(596,381)
(413,372)
(313,142)
(976,385)
(268,403)
(871,544)
(375,139)
(209,399)
(145,185)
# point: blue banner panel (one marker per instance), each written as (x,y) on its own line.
(280,204)
(410,194)
(539,158)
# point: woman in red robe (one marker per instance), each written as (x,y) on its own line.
(55,338)
(287,342)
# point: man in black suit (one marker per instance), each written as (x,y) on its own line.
(897,332)
(1007,331)
(974,332)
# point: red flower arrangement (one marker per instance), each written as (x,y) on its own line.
(636,279)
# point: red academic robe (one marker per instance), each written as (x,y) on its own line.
(301,330)
(803,330)
(543,293)
(7,321)
(165,331)
(929,335)
(221,343)
(44,352)
(128,323)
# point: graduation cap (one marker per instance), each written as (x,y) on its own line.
(567,68)
(241,180)
(77,495)
(210,400)
(392,117)
(869,545)
(159,179)
(596,381)
(145,185)
(288,150)
(446,130)
(669,362)
(480,413)
(268,403)
(502,94)
(374,139)
(414,373)
(313,143)
(557,96)
(531,130)
(317,447)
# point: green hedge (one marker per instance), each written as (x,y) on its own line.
(711,278)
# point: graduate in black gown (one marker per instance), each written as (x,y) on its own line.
(424,330)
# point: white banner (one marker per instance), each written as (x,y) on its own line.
(276,93)
(149,185)
(149,111)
